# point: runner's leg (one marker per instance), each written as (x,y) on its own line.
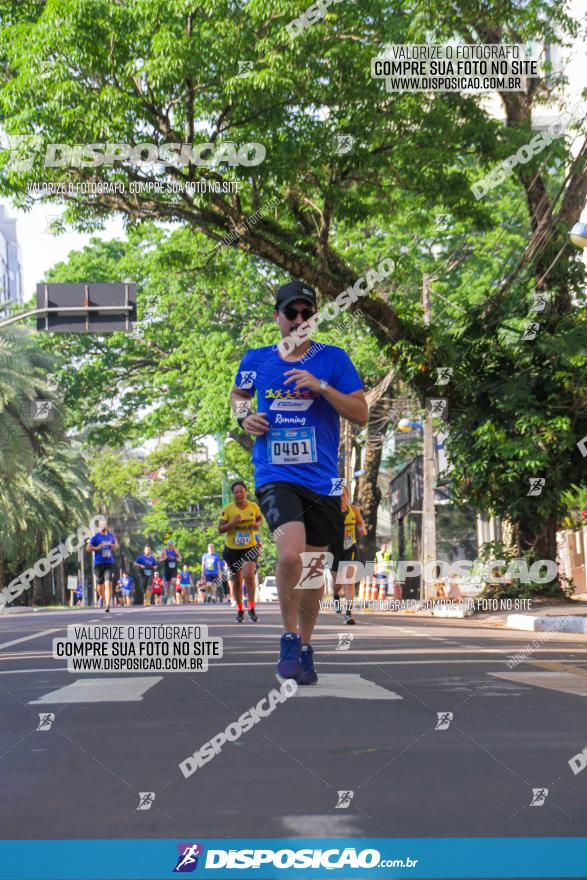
(236,588)
(249,571)
(309,603)
(107,592)
(290,540)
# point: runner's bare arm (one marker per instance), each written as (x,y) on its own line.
(361,527)
(223,526)
(256,423)
(351,406)
(238,397)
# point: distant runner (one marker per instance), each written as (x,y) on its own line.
(295,456)
(384,568)
(345,550)
(210,571)
(147,564)
(118,593)
(171,558)
(126,583)
(239,522)
(102,545)
(186,584)
(157,588)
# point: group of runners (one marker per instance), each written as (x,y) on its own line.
(162,579)
(302,389)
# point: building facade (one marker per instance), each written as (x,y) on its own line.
(10,262)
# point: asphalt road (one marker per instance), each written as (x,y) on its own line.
(368,727)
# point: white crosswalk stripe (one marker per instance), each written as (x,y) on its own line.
(101,690)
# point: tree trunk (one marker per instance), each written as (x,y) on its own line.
(60,591)
(369,496)
(380,401)
(540,545)
(41,589)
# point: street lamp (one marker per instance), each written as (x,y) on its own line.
(428,510)
(578,235)
(221,444)
(406,426)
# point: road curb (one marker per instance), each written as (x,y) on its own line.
(17,609)
(569,623)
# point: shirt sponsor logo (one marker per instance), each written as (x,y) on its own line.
(291,404)
(278,394)
(289,420)
(247,378)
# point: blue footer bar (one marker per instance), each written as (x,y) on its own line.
(302,858)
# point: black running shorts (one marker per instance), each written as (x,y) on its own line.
(283,503)
(104,572)
(235,559)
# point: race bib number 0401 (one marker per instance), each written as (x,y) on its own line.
(292,446)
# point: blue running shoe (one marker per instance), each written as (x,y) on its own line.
(307,672)
(289,656)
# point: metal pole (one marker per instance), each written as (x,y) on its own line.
(81,567)
(220,442)
(65,310)
(428,512)
(348,451)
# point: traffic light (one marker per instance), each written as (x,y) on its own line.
(86,308)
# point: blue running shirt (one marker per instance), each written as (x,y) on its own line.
(149,562)
(211,563)
(302,443)
(106,555)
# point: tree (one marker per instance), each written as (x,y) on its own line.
(127,76)
(43,480)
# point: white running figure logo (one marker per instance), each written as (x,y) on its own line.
(189,856)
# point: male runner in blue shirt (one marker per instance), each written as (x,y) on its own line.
(295,457)
(170,557)
(102,545)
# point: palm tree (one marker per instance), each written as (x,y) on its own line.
(44,491)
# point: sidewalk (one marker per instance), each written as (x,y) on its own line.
(568,617)
(565,617)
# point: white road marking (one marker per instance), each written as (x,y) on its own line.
(321,826)
(346,686)
(101,690)
(566,682)
(24,671)
(38,635)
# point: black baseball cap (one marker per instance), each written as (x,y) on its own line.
(293,290)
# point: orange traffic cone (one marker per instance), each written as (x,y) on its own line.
(382,590)
(362,590)
(374,590)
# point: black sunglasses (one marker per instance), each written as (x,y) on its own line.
(291,313)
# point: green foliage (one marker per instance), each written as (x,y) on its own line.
(43,477)
(76,71)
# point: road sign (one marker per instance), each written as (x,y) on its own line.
(86,308)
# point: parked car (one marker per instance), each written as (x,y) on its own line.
(268,590)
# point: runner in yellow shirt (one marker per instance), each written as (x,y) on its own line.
(346,551)
(239,522)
